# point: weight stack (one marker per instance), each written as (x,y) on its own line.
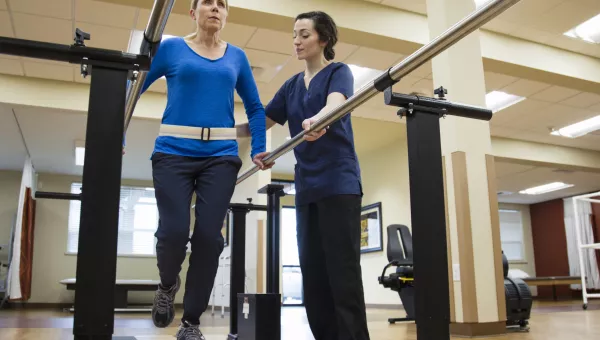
(259,316)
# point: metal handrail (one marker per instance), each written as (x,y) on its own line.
(451,36)
(152,37)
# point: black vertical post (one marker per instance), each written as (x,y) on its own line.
(432,302)
(274,192)
(237,264)
(99,219)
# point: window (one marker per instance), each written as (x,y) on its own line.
(138,220)
(293,290)
(511,234)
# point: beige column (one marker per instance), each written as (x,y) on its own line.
(475,259)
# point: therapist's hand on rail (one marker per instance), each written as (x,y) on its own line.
(258,160)
(312,136)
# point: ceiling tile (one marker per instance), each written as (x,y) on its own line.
(102,13)
(424,86)
(106,37)
(48,71)
(555,94)
(266,64)
(558,115)
(33,27)
(521,115)
(525,87)
(563,17)
(503,131)
(504,169)
(237,34)
(583,100)
(11,66)
(423,71)
(61,9)
(291,68)
(595,108)
(417,6)
(532,34)
(343,51)
(528,10)
(44,61)
(178,24)
(160,85)
(496,81)
(405,84)
(272,41)
(372,58)
(5,25)
(500,26)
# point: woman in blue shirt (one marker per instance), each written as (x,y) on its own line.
(196,151)
(328,184)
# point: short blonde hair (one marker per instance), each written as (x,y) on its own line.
(195,4)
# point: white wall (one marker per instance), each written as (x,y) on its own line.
(385,180)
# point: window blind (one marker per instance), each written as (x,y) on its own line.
(138,220)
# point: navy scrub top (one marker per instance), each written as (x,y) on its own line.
(328,166)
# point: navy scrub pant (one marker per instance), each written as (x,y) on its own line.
(176,178)
(328,233)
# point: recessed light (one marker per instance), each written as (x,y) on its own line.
(588,31)
(498,100)
(546,188)
(579,129)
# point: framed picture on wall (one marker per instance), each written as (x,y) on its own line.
(371,229)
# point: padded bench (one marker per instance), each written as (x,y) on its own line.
(553,281)
(122,288)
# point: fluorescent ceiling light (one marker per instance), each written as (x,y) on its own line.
(546,188)
(588,31)
(579,129)
(363,75)
(498,100)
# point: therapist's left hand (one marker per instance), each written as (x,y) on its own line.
(312,136)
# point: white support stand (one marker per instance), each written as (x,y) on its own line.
(582,247)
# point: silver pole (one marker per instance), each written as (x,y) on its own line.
(152,35)
(450,37)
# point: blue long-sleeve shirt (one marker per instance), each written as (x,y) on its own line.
(200,93)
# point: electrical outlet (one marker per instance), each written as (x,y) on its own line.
(456,272)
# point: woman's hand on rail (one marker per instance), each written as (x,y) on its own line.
(312,136)
(258,160)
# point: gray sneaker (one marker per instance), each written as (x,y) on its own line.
(189,332)
(163,309)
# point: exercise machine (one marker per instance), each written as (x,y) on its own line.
(400,255)
(518,300)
